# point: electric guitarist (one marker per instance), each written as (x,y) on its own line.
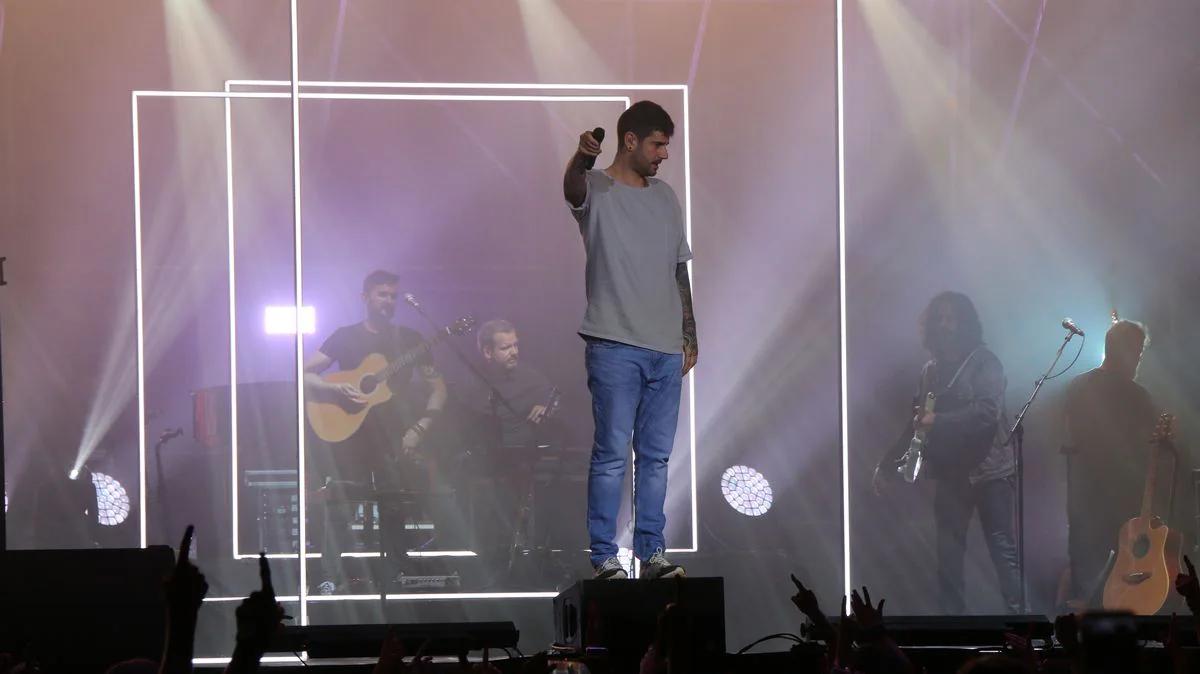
(961,442)
(398,427)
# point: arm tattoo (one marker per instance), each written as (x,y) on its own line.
(685,294)
(429,372)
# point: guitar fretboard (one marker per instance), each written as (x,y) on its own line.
(411,356)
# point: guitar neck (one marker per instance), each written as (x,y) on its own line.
(1151,484)
(410,357)
(1161,440)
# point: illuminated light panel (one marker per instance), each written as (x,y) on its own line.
(841,226)
(301,457)
(139,288)
(415,596)
(274,659)
(418,596)
(411,553)
(112,502)
(282,320)
(492,86)
(747,491)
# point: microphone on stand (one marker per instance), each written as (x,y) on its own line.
(170,434)
(411,300)
(1069,324)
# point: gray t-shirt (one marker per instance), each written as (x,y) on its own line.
(634,238)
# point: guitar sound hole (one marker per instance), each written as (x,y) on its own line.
(1141,546)
(367,385)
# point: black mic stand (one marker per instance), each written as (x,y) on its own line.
(160,495)
(495,396)
(1016,437)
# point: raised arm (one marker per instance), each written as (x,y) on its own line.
(690,346)
(575,178)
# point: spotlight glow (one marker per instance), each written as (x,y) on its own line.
(112,502)
(282,320)
(747,491)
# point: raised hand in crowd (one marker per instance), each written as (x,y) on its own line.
(258,619)
(185,591)
(847,633)
(806,600)
(868,616)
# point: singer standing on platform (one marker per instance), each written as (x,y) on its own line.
(639,329)
(966,450)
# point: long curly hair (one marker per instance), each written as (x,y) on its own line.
(970,330)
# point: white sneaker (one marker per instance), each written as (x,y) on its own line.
(658,567)
(611,569)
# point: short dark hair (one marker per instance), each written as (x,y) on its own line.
(644,118)
(1124,335)
(970,329)
(489,330)
(379,277)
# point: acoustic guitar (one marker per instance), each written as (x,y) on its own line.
(1148,552)
(336,420)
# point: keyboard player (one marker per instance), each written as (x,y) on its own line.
(516,398)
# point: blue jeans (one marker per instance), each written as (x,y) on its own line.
(635,395)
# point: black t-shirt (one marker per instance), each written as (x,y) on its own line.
(349,346)
(1111,420)
(523,388)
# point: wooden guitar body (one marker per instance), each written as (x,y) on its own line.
(1148,553)
(335,421)
(1148,559)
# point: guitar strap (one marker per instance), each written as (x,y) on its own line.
(962,367)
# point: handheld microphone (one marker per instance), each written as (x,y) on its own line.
(590,161)
(1069,324)
(411,299)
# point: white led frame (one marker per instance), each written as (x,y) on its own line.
(841,244)
(491,86)
(228,96)
(230,219)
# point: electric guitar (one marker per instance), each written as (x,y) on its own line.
(1148,553)
(913,460)
(336,420)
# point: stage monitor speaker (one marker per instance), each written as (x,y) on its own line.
(84,610)
(620,617)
